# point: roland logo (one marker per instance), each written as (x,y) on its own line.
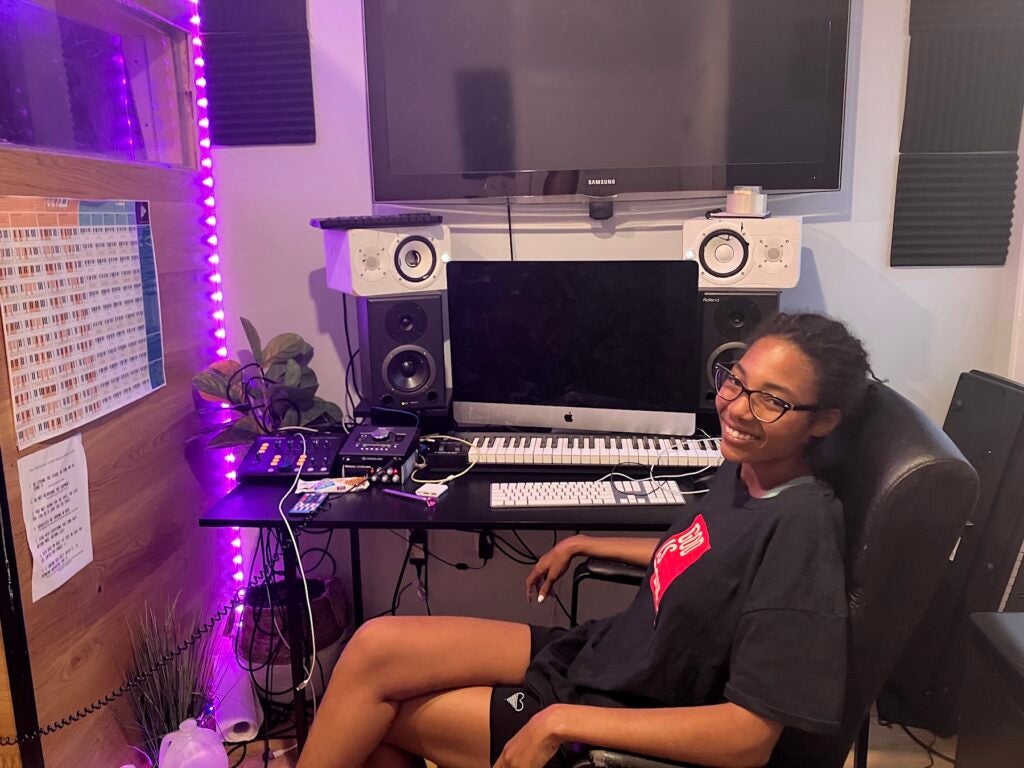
(600,182)
(710,299)
(568,417)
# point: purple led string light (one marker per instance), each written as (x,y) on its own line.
(208,205)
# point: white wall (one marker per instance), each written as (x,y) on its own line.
(923,325)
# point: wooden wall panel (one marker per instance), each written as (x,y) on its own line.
(145,496)
(9,757)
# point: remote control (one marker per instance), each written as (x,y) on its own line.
(308,503)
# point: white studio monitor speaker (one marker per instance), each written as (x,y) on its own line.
(744,254)
(387,262)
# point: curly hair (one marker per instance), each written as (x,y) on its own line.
(839,358)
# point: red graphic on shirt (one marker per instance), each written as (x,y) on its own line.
(676,555)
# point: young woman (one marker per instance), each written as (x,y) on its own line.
(739,630)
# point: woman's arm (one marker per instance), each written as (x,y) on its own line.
(635,551)
(555,561)
(721,734)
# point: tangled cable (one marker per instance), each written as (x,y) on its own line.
(110,698)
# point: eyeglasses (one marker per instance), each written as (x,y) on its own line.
(764,406)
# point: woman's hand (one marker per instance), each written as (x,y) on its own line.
(534,744)
(552,565)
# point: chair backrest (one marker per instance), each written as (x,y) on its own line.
(907,492)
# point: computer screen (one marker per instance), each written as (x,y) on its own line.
(590,345)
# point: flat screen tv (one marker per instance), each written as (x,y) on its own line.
(570,99)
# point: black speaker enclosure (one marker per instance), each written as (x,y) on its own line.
(729,319)
(402,361)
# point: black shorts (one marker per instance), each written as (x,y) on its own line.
(513,706)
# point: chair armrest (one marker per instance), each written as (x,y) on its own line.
(605,758)
(609,570)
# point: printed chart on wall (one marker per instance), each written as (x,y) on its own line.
(81,310)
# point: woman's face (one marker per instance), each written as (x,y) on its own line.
(779,367)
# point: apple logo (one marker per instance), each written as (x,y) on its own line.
(568,417)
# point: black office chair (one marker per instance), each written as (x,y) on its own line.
(907,492)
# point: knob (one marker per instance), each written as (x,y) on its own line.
(380,434)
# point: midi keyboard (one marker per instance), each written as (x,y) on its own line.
(511,450)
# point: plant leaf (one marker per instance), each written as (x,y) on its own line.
(285,347)
(302,398)
(244,430)
(321,409)
(292,374)
(212,383)
(318,409)
(276,371)
(254,340)
(308,379)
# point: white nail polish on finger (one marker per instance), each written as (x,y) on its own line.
(540,598)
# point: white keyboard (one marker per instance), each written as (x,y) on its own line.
(509,449)
(585,494)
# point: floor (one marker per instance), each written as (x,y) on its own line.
(889,748)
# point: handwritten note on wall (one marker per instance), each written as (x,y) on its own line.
(55,504)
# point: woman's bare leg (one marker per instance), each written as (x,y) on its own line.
(451,728)
(393,659)
(387,756)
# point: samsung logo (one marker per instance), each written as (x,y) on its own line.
(599,182)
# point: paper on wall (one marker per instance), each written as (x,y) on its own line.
(55,504)
(80,301)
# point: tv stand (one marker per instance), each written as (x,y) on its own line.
(601,210)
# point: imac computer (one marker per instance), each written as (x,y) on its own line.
(609,346)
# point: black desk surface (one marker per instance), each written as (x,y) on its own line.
(466,505)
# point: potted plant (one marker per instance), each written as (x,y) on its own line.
(182,688)
(277,389)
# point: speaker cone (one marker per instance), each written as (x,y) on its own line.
(406,321)
(415,259)
(408,369)
(724,253)
(727,354)
(736,318)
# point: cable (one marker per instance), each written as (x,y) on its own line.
(511,247)
(348,348)
(397,410)
(302,573)
(457,566)
(325,555)
(156,666)
(449,478)
(533,555)
(932,752)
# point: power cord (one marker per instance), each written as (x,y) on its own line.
(302,572)
(511,247)
(449,478)
(928,748)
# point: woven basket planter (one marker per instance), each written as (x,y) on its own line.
(261,641)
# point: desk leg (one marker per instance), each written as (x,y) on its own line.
(297,616)
(357,578)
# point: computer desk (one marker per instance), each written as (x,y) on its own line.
(466,506)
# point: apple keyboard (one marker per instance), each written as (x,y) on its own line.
(585,493)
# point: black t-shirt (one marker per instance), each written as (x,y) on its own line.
(744,601)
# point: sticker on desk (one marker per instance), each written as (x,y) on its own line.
(333,485)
